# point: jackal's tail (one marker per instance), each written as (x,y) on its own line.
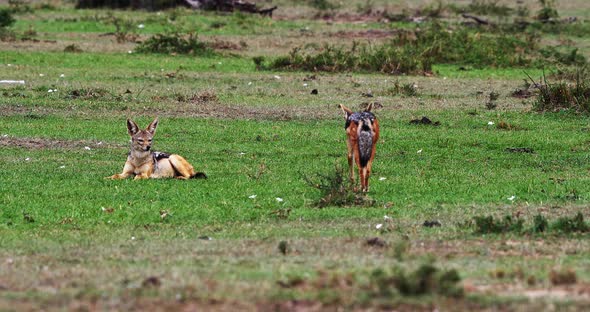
(199,175)
(183,169)
(365,142)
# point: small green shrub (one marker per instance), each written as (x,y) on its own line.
(174,43)
(488,225)
(6,19)
(540,224)
(415,51)
(564,225)
(72,48)
(547,11)
(337,190)
(124,29)
(570,224)
(426,280)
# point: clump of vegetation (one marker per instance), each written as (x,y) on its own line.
(570,224)
(488,225)
(540,224)
(19,6)
(72,48)
(415,51)
(124,29)
(563,277)
(406,89)
(563,95)
(547,11)
(565,56)
(337,190)
(88,93)
(426,280)
(6,20)
(493,97)
(174,43)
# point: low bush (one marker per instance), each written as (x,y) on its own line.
(415,51)
(563,95)
(337,190)
(563,225)
(570,224)
(174,43)
(426,280)
(488,224)
(6,19)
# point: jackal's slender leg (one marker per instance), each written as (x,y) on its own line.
(351,160)
(127,171)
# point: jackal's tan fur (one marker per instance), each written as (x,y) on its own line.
(142,163)
(362,133)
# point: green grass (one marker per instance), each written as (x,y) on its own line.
(464,155)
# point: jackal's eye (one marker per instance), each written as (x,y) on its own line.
(140,141)
(150,140)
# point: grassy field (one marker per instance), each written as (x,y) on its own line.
(251,236)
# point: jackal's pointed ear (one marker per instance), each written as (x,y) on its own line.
(132,127)
(369,107)
(346,110)
(152,126)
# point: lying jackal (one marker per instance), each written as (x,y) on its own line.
(143,163)
(362,132)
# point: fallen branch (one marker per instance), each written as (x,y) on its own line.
(479,20)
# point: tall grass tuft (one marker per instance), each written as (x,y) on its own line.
(563,95)
(337,190)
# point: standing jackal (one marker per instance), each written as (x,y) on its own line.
(362,132)
(143,163)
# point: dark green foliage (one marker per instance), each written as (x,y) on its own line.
(416,51)
(426,280)
(488,225)
(72,48)
(337,190)
(174,43)
(563,95)
(570,225)
(283,247)
(6,19)
(540,224)
(547,10)
(567,57)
